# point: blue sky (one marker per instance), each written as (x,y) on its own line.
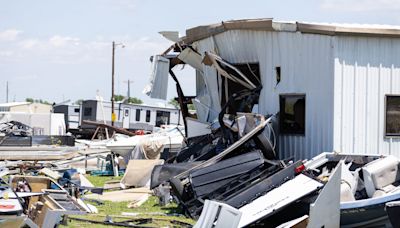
(59,49)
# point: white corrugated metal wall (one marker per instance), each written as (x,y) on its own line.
(366,69)
(307,67)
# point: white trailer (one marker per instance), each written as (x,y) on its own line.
(129,116)
(41,123)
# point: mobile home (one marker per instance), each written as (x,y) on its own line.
(129,116)
(71,116)
(336,87)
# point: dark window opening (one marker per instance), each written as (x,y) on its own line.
(148,113)
(76,110)
(126,112)
(292,114)
(162,118)
(278,74)
(87,111)
(252,73)
(137,115)
(393,115)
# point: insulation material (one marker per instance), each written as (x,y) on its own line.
(138,172)
(158,85)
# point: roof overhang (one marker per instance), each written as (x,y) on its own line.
(204,31)
(267,24)
(333,30)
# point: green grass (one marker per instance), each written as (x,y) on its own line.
(99,181)
(149,209)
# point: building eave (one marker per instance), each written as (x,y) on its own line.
(267,24)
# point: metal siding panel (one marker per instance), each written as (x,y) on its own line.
(306,62)
(371,70)
(395,89)
(360,79)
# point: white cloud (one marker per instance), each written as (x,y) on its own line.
(29,43)
(64,49)
(6,53)
(360,5)
(61,41)
(9,35)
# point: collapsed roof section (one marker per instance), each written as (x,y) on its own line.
(214,95)
(218,79)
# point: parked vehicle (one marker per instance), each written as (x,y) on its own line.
(368,183)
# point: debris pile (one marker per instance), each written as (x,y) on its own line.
(44,177)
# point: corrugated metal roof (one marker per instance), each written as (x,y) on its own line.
(267,24)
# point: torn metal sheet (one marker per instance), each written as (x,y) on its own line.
(192,58)
(261,125)
(278,198)
(171,35)
(202,109)
(40,153)
(158,85)
(215,60)
(50,173)
(322,215)
(162,173)
(197,128)
(218,215)
(210,178)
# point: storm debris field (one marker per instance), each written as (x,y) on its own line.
(266,142)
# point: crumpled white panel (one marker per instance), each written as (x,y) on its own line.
(158,85)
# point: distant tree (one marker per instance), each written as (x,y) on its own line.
(118,97)
(131,100)
(134,100)
(174,103)
(79,102)
(31,100)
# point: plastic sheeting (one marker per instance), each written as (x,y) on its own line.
(148,149)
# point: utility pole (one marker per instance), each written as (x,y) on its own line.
(112,86)
(7,92)
(113,117)
(129,87)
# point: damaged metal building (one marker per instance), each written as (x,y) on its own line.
(335,87)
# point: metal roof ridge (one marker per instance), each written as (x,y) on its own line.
(268,24)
